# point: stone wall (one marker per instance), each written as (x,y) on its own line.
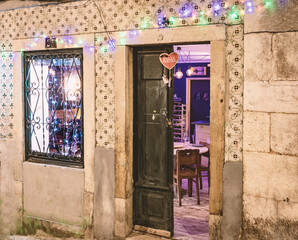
(270,134)
(270,104)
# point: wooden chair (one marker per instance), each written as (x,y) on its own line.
(203,168)
(204,171)
(186,158)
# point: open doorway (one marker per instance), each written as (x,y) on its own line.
(166,124)
(191,131)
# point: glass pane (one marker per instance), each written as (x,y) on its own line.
(53,92)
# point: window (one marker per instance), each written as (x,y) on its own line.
(53,97)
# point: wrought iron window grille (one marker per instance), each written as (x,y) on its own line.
(53,101)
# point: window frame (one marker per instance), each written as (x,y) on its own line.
(55,160)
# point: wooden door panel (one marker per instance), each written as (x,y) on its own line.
(154,208)
(155,70)
(153,95)
(153,184)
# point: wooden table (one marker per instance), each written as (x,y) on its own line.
(183,146)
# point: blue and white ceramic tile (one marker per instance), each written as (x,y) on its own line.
(106,17)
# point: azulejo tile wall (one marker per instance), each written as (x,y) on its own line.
(234,66)
(6,94)
(105,18)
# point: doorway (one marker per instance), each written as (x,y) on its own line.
(192,95)
(124,117)
(165,114)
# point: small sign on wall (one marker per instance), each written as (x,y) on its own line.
(50,42)
(199,71)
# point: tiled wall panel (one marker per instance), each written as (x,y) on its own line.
(6,94)
(104,18)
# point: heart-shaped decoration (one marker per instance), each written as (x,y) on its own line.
(169,60)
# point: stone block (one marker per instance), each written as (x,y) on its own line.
(123,217)
(232,200)
(288,210)
(279,18)
(104,193)
(255,207)
(256,126)
(285,48)
(271,97)
(215,227)
(88,207)
(284,133)
(120,177)
(54,193)
(258,63)
(18,194)
(10,190)
(269,219)
(270,176)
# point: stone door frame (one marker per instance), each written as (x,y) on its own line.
(216,35)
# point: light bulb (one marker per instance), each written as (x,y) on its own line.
(179,74)
(189,71)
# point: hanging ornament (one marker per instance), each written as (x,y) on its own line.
(189,71)
(169,60)
(179,74)
(165,79)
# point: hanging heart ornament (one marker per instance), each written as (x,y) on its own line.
(169,60)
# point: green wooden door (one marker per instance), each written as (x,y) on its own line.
(153,141)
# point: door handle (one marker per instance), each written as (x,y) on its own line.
(169,123)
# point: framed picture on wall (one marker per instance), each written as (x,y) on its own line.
(199,71)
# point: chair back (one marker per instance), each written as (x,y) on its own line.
(187,157)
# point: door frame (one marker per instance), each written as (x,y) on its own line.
(216,35)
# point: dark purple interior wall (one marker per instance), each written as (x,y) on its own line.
(200,92)
(200,100)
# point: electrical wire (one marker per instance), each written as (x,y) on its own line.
(104,24)
(100,14)
(76,6)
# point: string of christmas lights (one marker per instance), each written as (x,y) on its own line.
(188,11)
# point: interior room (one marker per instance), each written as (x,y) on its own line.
(191,136)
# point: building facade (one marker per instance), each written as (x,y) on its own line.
(254,123)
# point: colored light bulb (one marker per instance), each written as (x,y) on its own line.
(179,74)
(189,71)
